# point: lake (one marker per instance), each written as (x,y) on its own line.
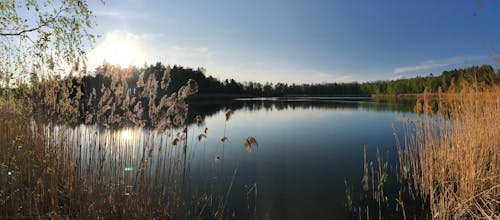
(306,148)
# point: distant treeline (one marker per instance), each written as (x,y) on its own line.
(145,96)
(210,85)
(475,74)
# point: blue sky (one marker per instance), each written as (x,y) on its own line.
(299,41)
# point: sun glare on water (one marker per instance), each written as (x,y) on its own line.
(126,135)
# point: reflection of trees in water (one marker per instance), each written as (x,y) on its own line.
(209,108)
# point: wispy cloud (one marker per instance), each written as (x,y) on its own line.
(108,13)
(119,14)
(431,64)
(271,73)
(127,48)
(183,54)
(326,77)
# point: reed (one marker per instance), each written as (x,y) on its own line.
(52,167)
(373,195)
(451,157)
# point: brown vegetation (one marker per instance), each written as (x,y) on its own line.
(451,157)
(44,174)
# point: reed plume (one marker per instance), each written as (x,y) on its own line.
(452,159)
(249,143)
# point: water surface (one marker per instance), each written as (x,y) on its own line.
(306,148)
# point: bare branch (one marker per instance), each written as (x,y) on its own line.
(23,31)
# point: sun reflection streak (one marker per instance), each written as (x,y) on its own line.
(126,134)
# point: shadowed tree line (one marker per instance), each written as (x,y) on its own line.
(210,85)
(150,87)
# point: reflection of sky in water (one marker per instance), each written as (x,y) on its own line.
(299,166)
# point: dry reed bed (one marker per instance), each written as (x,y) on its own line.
(452,157)
(55,172)
(47,170)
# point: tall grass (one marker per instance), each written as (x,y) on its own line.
(51,167)
(84,172)
(452,157)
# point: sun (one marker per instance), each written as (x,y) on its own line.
(123,53)
(118,49)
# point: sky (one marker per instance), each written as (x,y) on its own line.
(299,41)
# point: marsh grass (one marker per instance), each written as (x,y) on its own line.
(85,172)
(52,167)
(373,202)
(451,157)
(448,161)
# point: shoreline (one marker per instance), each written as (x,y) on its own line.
(405,95)
(221,96)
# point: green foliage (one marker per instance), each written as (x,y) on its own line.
(209,85)
(481,74)
(42,36)
(179,76)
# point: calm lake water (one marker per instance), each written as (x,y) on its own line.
(306,148)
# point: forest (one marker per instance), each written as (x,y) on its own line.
(209,85)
